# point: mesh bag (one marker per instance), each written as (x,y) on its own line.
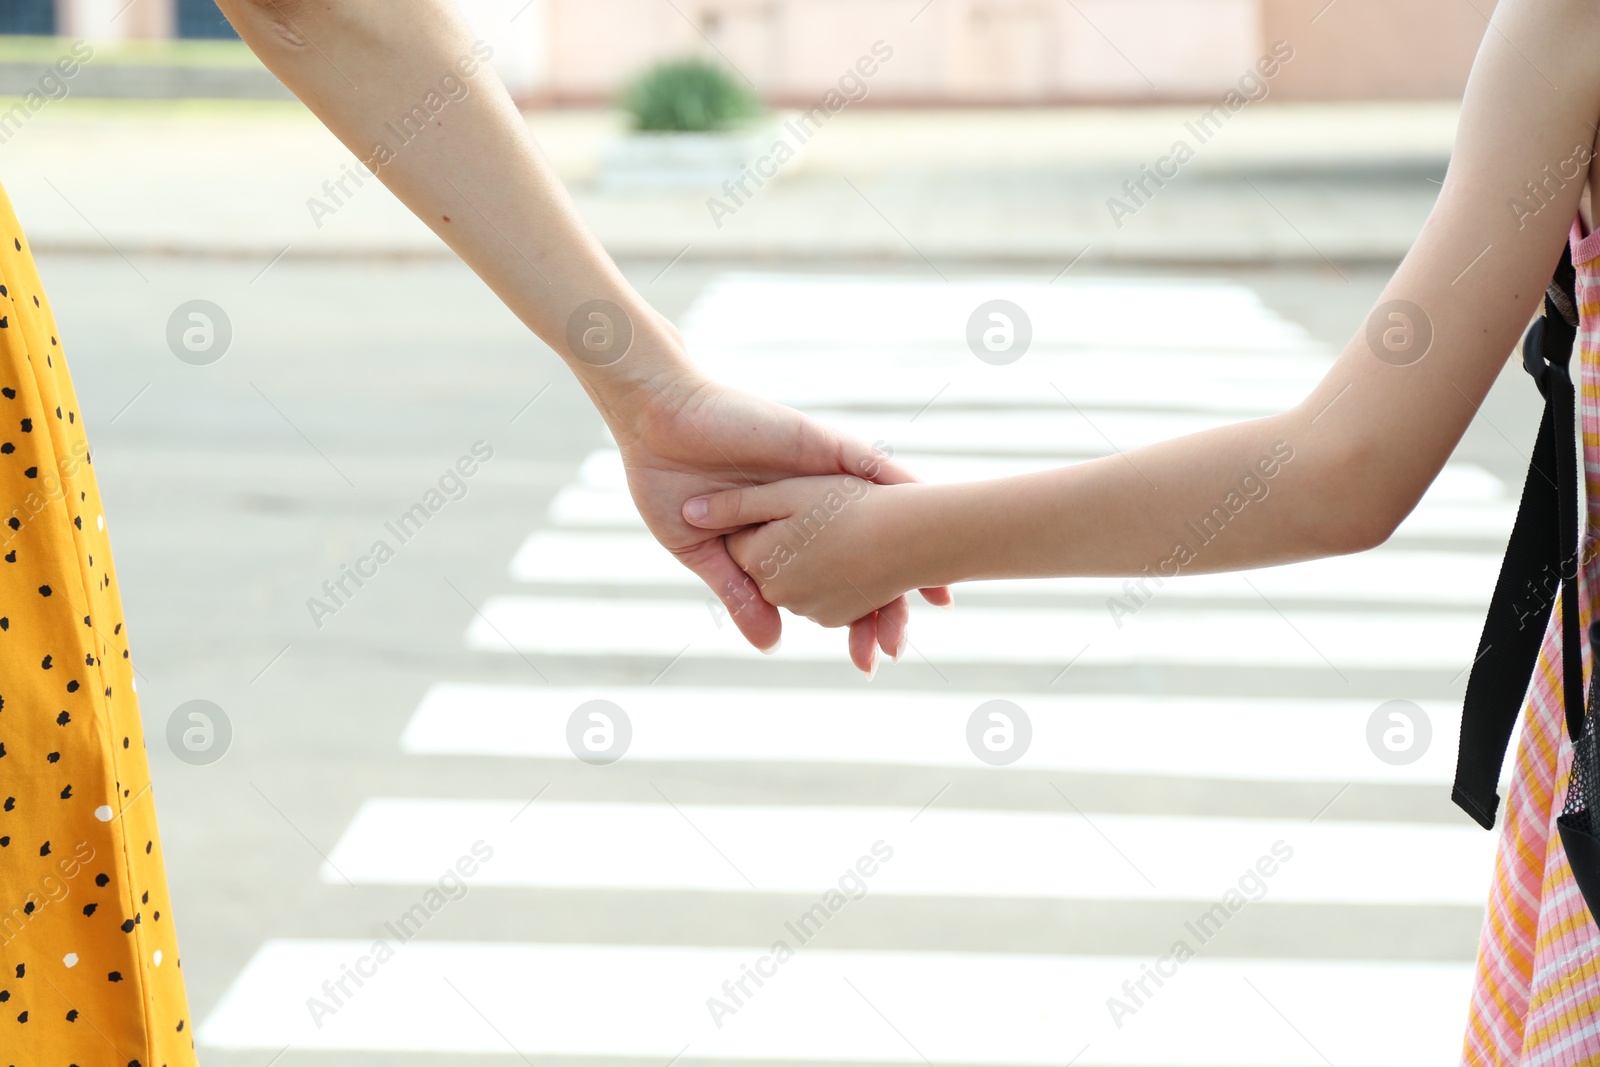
(1579,822)
(1579,812)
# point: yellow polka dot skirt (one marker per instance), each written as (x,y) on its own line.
(88,957)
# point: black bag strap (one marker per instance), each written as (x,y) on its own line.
(1541,558)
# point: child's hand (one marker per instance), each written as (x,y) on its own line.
(829,548)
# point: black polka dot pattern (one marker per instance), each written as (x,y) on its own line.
(80,875)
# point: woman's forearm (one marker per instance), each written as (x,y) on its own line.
(406,88)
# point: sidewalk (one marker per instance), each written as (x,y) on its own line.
(1277,182)
(144,70)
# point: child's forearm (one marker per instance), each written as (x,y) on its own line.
(1253,494)
(1377,430)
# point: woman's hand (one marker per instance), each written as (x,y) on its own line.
(688,437)
(828,548)
(475,176)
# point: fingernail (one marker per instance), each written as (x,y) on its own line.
(900,645)
(872,672)
(697,509)
(949,607)
(773,651)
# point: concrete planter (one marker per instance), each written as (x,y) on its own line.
(680,161)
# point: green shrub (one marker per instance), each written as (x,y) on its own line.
(688,95)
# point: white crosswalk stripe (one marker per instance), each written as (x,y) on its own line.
(592,593)
(821,1006)
(934,852)
(1243,738)
(1061,432)
(1342,640)
(1217,319)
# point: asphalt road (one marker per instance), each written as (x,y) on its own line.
(235,490)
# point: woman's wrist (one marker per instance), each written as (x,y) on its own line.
(628,364)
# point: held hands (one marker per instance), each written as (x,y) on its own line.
(828,548)
(685,438)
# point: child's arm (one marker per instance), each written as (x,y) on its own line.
(1347,465)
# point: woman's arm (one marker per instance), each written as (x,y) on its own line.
(1348,464)
(471,171)
(375,72)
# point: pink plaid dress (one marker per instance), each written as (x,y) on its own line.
(1536,1001)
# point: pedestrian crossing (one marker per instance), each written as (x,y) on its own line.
(778,849)
(1085,733)
(823,1006)
(552,625)
(1336,676)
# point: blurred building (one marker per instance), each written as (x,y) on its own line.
(942,51)
(114,19)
